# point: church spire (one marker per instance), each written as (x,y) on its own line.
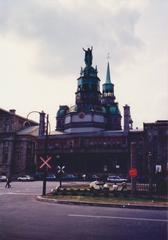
(108,102)
(108,86)
(108,78)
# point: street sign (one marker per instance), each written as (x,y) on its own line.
(61,169)
(45,162)
(133,172)
(158,169)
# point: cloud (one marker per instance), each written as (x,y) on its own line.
(64,27)
(41,48)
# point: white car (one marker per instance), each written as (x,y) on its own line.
(25,178)
(116,179)
(97,185)
(3,178)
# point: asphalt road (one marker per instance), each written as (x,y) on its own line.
(22,217)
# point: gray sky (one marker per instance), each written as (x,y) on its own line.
(41,53)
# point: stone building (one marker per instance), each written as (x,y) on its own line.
(18,137)
(156,146)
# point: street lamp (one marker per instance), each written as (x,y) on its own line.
(41,121)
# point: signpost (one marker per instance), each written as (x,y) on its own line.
(45,162)
(60,172)
(133,172)
(45,165)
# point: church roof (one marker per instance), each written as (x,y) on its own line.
(33,131)
(13,112)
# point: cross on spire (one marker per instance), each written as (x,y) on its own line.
(108,56)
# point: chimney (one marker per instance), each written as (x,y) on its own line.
(42,124)
(127,119)
(13,111)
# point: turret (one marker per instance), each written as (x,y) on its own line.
(110,106)
(60,117)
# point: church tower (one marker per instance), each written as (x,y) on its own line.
(110,106)
(87,114)
(88,96)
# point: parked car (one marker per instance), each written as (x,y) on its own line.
(116,179)
(97,185)
(51,177)
(39,176)
(94,177)
(3,178)
(25,178)
(69,177)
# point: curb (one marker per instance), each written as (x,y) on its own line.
(113,205)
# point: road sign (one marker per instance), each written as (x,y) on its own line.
(61,169)
(133,172)
(45,162)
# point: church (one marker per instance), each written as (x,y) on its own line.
(89,135)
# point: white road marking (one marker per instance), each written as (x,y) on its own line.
(121,218)
(17,193)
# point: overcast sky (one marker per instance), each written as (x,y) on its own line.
(41,53)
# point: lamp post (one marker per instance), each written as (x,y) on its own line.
(45,153)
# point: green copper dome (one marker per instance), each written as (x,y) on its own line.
(62,111)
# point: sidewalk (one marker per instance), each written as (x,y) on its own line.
(151,205)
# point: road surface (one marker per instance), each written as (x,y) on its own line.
(23,217)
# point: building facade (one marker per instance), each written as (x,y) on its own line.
(156,145)
(18,138)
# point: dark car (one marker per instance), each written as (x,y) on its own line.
(39,176)
(69,177)
(51,177)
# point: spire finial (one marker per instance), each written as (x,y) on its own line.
(108,56)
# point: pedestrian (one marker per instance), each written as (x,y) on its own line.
(8,185)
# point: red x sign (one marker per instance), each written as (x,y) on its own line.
(45,162)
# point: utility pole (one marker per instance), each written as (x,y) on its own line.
(45,153)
